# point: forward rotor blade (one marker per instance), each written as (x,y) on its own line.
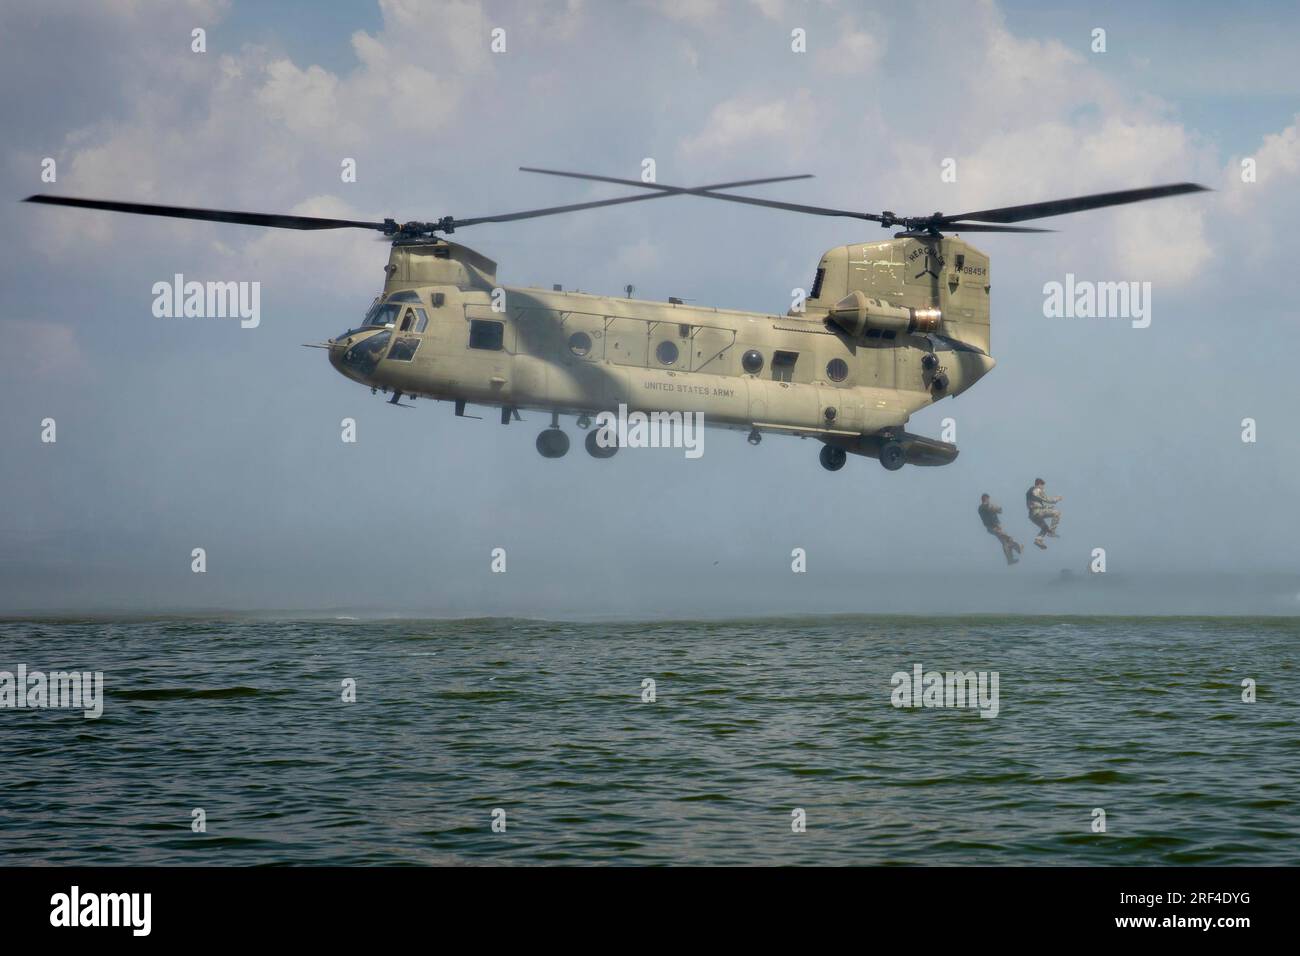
(555,210)
(979,227)
(271,220)
(278,221)
(1059,207)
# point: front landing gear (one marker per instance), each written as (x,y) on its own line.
(553,443)
(892,455)
(833,458)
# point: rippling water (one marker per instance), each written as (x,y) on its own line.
(752,719)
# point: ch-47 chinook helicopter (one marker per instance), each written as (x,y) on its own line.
(887,329)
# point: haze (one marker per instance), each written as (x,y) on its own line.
(174,434)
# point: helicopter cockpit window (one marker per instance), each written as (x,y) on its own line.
(404,348)
(381,315)
(407,296)
(414,320)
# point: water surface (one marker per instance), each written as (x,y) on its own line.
(244,718)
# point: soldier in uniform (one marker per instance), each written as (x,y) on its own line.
(1041,512)
(989,513)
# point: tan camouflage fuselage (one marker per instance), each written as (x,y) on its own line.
(850,369)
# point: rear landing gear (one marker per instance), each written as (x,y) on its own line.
(595,449)
(833,458)
(892,455)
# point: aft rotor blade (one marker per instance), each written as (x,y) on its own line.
(659,186)
(573,207)
(706,192)
(271,220)
(792,206)
(1059,207)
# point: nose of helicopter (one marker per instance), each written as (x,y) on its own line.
(356,353)
(338,346)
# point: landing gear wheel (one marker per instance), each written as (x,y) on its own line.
(892,455)
(595,449)
(553,443)
(833,458)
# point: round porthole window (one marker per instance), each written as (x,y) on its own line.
(666,353)
(579,343)
(837,370)
(752,361)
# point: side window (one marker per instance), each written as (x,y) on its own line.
(783,366)
(403,349)
(414,320)
(486,335)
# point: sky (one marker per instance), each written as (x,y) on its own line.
(176,434)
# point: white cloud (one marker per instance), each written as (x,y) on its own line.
(1277,166)
(304,100)
(44,352)
(855,51)
(354,257)
(689,11)
(637,258)
(781,126)
(772,9)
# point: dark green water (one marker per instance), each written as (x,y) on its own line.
(244,719)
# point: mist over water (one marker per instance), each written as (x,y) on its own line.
(702,591)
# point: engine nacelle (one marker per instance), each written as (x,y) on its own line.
(856,313)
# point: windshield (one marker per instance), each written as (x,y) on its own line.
(381,315)
(365,355)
